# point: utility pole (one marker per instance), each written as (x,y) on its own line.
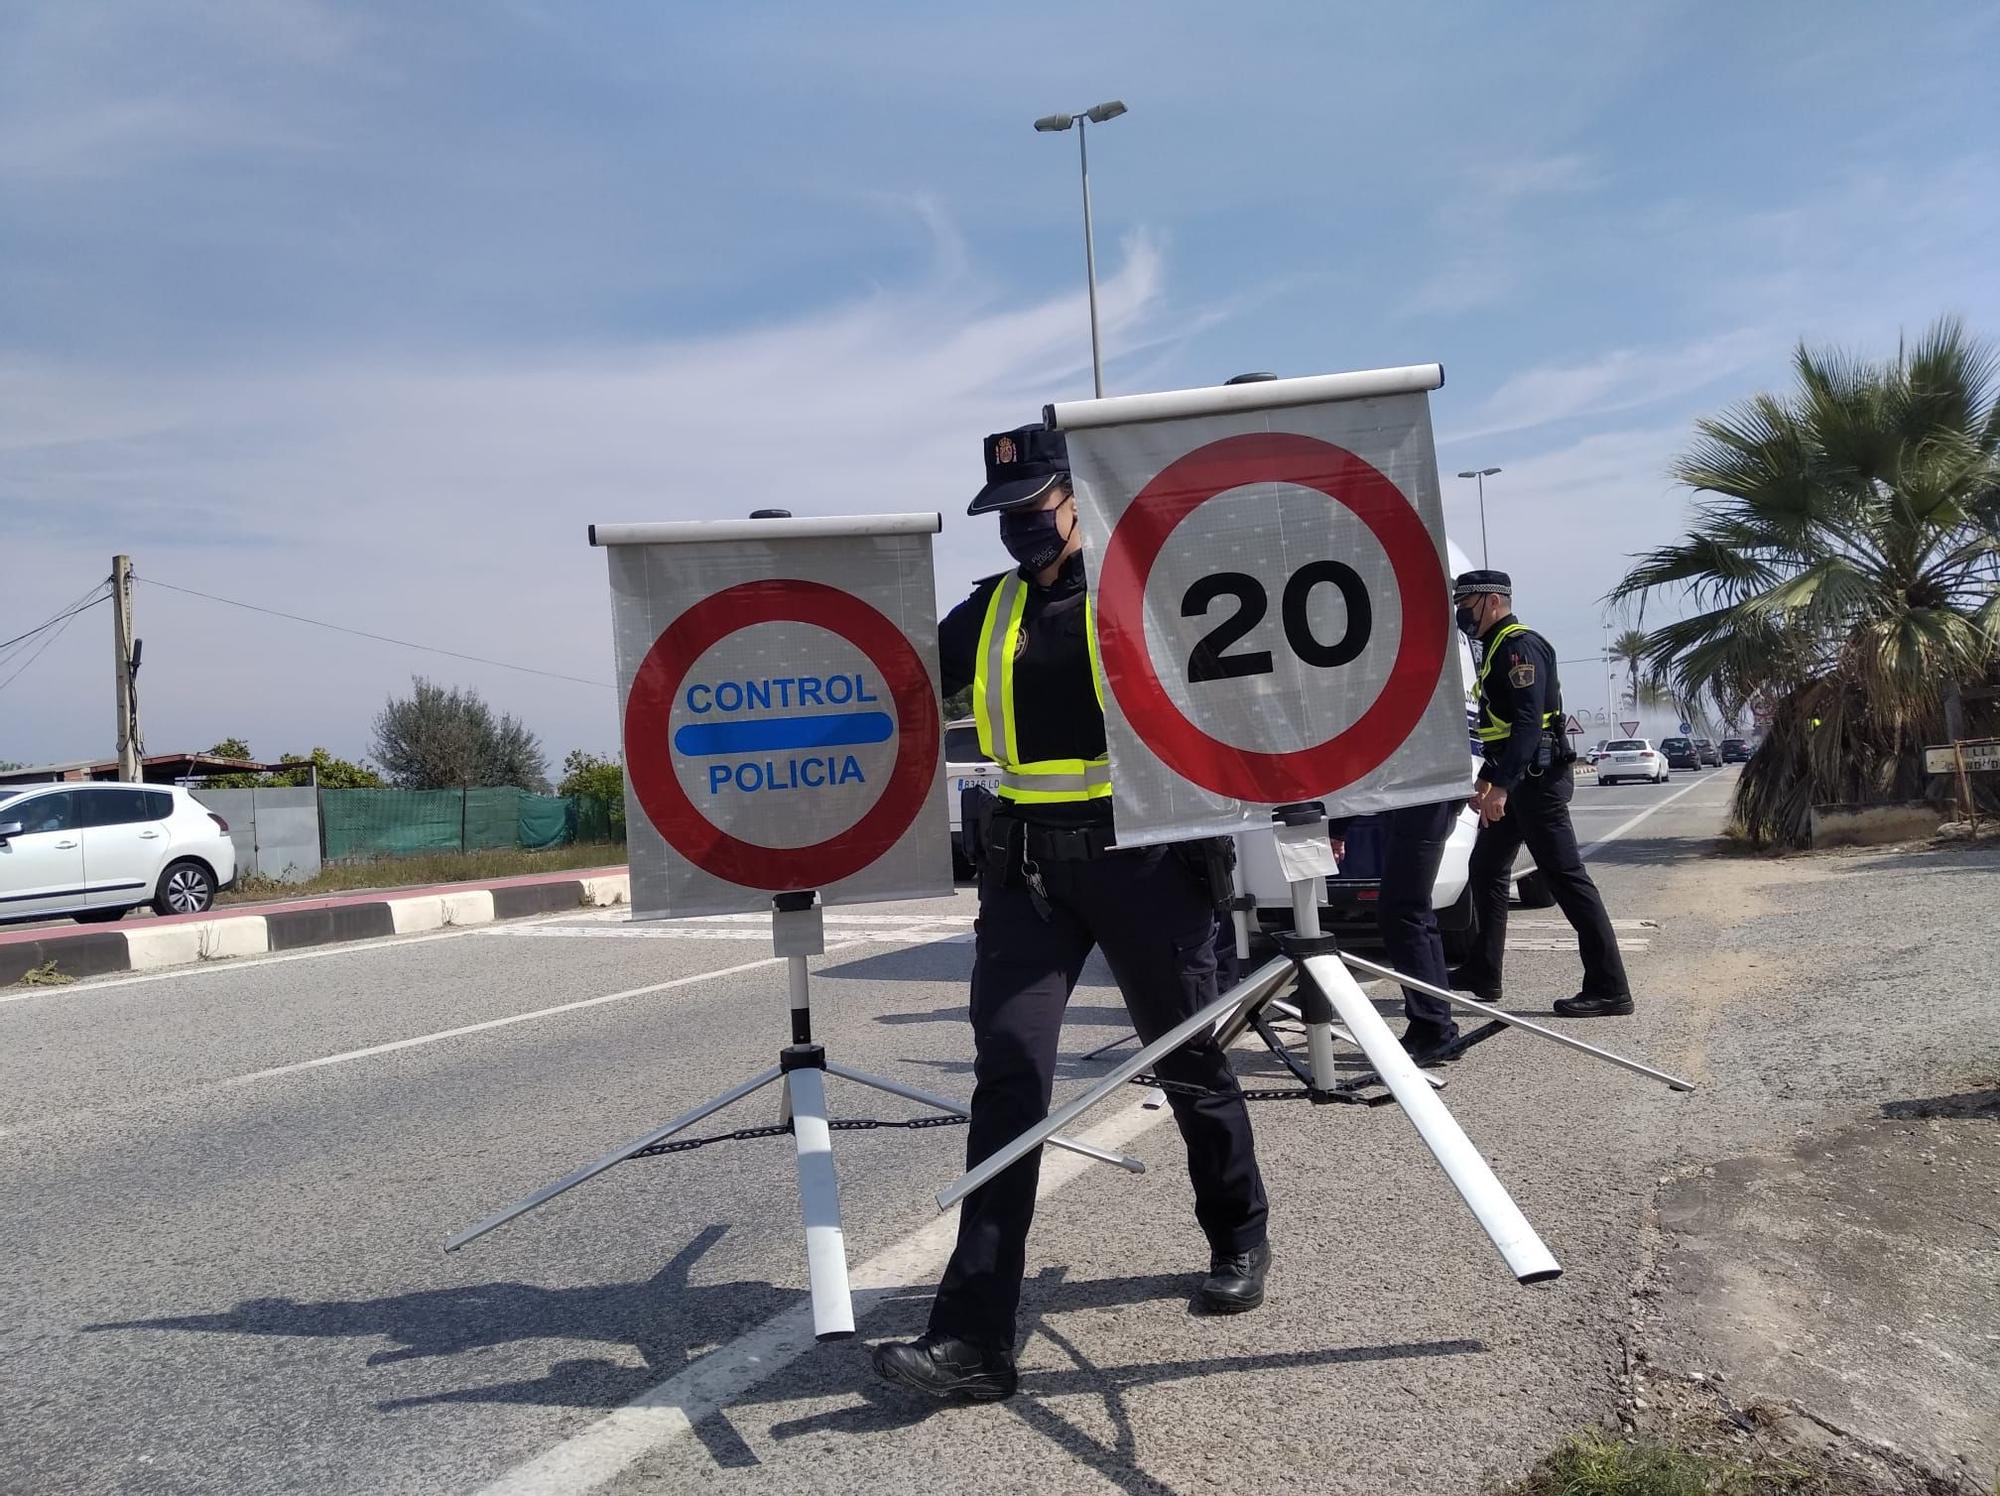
(125,668)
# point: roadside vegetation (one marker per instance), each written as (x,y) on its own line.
(1844,567)
(440,867)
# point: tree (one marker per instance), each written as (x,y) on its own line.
(450,739)
(1630,649)
(1845,565)
(600,784)
(332,773)
(958,704)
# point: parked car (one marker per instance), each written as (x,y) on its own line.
(1711,756)
(964,767)
(1632,758)
(94,851)
(1734,751)
(1681,753)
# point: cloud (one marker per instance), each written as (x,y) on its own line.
(1622,380)
(445,500)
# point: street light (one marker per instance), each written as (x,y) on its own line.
(1482,474)
(1050,123)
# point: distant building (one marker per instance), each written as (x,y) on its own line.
(157,768)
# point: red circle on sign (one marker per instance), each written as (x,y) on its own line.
(649,708)
(1175,492)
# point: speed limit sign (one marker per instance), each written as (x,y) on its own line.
(1271,600)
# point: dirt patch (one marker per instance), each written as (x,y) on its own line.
(1851,1282)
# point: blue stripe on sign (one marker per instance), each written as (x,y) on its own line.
(772,734)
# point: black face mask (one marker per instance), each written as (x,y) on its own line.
(1467,621)
(1033,537)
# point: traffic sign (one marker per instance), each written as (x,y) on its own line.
(1981,757)
(781,719)
(1573,728)
(1271,605)
(1686,728)
(1628,728)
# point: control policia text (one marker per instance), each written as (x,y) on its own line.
(743,740)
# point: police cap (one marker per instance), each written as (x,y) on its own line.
(1021,466)
(1471,582)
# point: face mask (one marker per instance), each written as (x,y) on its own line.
(1033,537)
(1467,621)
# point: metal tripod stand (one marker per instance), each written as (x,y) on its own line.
(797,931)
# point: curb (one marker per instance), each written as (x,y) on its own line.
(181,942)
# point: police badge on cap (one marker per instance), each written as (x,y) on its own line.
(1021,466)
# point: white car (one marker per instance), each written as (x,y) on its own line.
(964,767)
(94,851)
(1632,758)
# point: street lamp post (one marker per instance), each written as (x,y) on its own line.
(1096,115)
(1482,474)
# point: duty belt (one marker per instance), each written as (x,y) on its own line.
(1062,843)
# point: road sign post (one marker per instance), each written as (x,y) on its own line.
(782,739)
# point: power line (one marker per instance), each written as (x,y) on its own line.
(86,601)
(378,638)
(66,620)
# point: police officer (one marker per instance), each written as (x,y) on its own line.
(1522,796)
(1414,842)
(1051,889)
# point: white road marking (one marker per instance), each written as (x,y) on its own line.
(669,1410)
(539,1013)
(1653,809)
(683,931)
(88,985)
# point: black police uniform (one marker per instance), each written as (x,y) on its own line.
(1407,920)
(1518,688)
(1146,909)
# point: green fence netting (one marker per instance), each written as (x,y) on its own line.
(359,824)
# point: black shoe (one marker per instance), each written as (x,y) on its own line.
(1235,1280)
(1465,979)
(945,1366)
(1422,1041)
(1583,1005)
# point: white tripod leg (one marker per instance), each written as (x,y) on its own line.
(1462,1163)
(819,1206)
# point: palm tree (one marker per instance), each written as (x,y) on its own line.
(1845,564)
(1629,648)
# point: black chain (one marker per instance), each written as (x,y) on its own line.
(784,1130)
(1347,1093)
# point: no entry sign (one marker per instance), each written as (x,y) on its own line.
(1272,603)
(780,711)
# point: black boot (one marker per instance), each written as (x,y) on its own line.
(1235,1280)
(1583,1005)
(945,1366)
(1481,986)
(1422,1041)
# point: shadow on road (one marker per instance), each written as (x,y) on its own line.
(1653,851)
(883,1409)
(656,1317)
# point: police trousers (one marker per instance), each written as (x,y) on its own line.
(1408,923)
(1538,817)
(1154,923)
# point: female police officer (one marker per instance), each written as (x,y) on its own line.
(1051,888)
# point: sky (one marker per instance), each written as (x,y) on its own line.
(364,311)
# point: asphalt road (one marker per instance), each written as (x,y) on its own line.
(226,1192)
